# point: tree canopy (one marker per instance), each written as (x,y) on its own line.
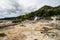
(45,11)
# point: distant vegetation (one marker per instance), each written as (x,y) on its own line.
(44,12)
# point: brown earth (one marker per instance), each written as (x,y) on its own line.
(33,31)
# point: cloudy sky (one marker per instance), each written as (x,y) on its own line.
(13,8)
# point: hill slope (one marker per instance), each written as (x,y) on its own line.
(45,11)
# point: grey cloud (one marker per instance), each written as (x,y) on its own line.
(13,8)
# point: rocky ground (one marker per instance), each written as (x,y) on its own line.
(27,30)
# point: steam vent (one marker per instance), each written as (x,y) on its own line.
(29,19)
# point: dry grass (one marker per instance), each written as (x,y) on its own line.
(32,31)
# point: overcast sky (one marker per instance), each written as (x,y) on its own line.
(8,9)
